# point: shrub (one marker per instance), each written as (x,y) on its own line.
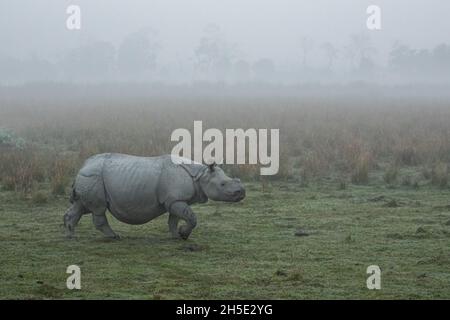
(407,156)
(62,169)
(39,197)
(390,176)
(58,188)
(9,139)
(20,169)
(342,184)
(407,181)
(248,172)
(361,172)
(426,173)
(304,178)
(17,169)
(439,175)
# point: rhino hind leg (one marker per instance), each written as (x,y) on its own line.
(89,190)
(72,217)
(101,223)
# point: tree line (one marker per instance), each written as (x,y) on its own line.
(215,58)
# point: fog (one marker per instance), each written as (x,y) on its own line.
(184,41)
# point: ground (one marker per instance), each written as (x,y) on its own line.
(248,250)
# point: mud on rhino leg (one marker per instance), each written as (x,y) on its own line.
(182,211)
(101,223)
(72,217)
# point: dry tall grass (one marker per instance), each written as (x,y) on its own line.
(323,131)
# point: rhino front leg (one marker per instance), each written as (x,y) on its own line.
(101,223)
(181,210)
(173,225)
(72,217)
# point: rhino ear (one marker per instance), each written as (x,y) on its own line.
(212,166)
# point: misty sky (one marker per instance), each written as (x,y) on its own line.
(260,28)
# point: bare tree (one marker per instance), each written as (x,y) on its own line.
(138,52)
(306,44)
(264,70)
(214,55)
(241,70)
(363,46)
(331,53)
(93,61)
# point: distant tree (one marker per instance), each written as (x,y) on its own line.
(442,53)
(14,70)
(423,61)
(366,65)
(214,55)
(11,70)
(350,55)
(91,61)
(39,69)
(441,58)
(400,57)
(306,45)
(264,69)
(137,53)
(362,44)
(360,51)
(420,62)
(404,60)
(242,70)
(331,52)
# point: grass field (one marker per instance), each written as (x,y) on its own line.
(248,250)
(364,173)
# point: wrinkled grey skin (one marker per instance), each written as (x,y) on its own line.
(138,189)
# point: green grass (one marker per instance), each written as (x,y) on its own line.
(240,251)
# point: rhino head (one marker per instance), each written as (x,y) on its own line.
(219,187)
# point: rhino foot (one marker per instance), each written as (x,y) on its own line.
(184,232)
(184,236)
(175,236)
(114,237)
(68,227)
(101,224)
(72,217)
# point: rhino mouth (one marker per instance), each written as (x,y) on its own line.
(237,196)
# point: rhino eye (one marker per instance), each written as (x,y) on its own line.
(222,184)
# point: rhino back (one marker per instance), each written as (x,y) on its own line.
(131,185)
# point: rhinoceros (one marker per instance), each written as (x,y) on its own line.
(138,189)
